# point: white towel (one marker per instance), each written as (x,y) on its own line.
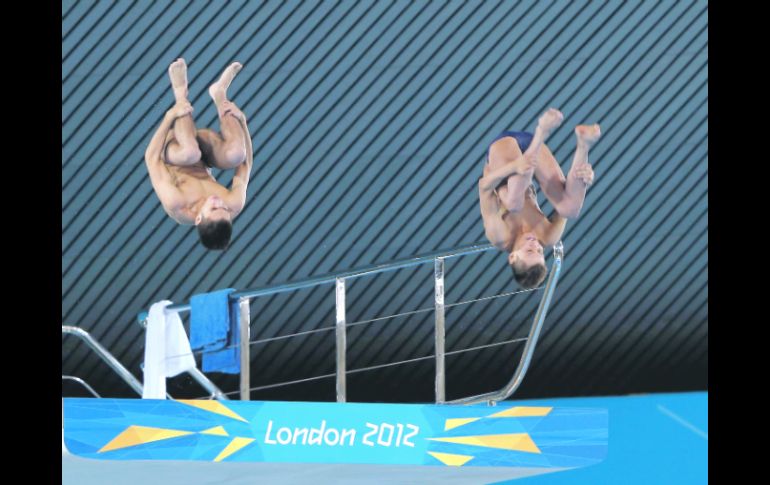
(166,350)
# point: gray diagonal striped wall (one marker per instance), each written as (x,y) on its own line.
(370,121)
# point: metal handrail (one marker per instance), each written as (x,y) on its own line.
(195,373)
(106,356)
(126,375)
(205,382)
(332,278)
(338,279)
(82,383)
(243,298)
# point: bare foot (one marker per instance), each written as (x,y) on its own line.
(218,90)
(550,120)
(587,134)
(177,71)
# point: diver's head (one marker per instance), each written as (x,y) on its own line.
(214,223)
(527,261)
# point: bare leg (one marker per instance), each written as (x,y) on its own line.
(512,195)
(227,150)
(183,150)
(550,176)
(568,193)
(549,121)
(502,152)
(581,174)
(586,137)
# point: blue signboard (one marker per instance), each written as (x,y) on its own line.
(364,433)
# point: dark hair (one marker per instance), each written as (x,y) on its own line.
(529,277)
(215,234)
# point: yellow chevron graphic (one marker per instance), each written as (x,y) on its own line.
(137,435)
(235,445)
(514,441)
(212,407)
(521,411)
(450,459)
(457,422)
(216,430)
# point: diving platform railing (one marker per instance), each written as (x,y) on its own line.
(124,373)
(339,279)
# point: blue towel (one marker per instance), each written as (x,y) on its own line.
(214,329)
(227,360)
(209,320)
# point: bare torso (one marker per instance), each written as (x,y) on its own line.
(195,184)
(529,218)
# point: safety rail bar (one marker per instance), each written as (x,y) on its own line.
(82,383)
(126,375)
(339,279)
(105,355)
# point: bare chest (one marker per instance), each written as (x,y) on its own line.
(530,217)
(194,187)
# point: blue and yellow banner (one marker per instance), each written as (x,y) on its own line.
(309,432)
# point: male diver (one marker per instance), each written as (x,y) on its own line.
(513,221)
(179,159)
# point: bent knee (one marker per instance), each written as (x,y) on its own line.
(504,150)
(568,211)
(232,157)
(177,155)
(572,214)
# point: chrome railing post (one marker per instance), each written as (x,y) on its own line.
(438,277)
(244,324)
(341,336)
